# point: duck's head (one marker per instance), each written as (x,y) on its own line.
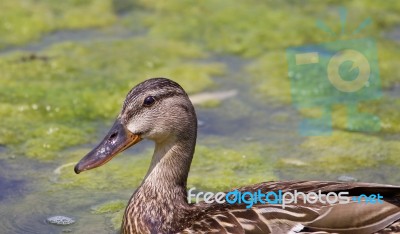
(157,109)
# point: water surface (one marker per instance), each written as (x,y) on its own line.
(60,91)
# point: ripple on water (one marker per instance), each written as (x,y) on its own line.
(31,215)
(24,224)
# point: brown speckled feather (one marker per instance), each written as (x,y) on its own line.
(311,218)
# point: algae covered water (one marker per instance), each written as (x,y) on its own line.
(66,68)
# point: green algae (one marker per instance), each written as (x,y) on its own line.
(239,28)
(109,207)
(116,219)
(271,71)
(113,210)
(253,28)
(82,70)
(210,104)
(219,169)
(388,60)
(384,109)
(270,75)
(387,109)
(56,102)
(345,152)
(24,21)
(127,170)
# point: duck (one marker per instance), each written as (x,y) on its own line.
(158,109)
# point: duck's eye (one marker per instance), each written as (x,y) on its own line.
(148,101)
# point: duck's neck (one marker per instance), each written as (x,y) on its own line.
(161,199)
(170,165)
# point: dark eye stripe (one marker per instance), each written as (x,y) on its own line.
(149,101)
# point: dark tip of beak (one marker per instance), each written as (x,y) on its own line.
(76,169)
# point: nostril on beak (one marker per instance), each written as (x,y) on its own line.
(113,136)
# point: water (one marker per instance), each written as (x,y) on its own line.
(31,191)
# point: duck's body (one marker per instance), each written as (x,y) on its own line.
(160,110)
(152,214)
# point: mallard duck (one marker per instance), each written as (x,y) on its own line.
(159,109)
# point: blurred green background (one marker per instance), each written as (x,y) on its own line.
(66,67)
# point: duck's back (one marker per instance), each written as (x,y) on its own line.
(357,216)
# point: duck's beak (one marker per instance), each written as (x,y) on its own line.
(117,140)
